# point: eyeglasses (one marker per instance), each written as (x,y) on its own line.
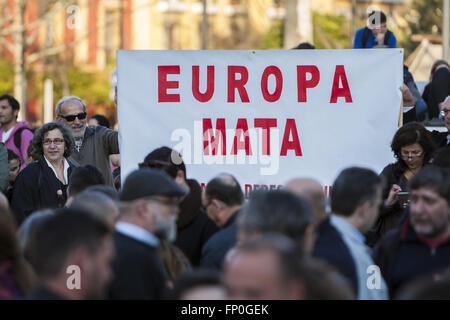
(165,201)
(411,154)
(70,118)
(443,113)
(56,141)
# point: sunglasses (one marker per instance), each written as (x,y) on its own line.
(70,118)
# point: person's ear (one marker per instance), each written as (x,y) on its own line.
(142,208)
(217,203)
(16,113)
(363,212)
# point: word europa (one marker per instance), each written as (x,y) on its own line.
(234,83)
(229,309)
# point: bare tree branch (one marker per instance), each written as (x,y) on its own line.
(8,17)
(48,16)
(60,5)
(8,45)
(29,41)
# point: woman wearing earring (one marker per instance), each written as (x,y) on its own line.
(43,183)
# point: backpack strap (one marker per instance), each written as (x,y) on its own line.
(387,35)
(365,36)
(18,137)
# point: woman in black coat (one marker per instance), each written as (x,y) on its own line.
(43,183)
(413,147)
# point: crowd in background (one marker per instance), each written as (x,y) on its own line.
(69,229)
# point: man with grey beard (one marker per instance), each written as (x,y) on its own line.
(149,207)
(421,247)
(92,145)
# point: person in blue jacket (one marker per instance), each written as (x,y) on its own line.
(375,34)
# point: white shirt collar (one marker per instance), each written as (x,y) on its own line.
(137,233)
(66,168)
(347,227)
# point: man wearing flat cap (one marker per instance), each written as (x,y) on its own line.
(149,207)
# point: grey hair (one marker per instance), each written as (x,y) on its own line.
(68,98)
(95,202)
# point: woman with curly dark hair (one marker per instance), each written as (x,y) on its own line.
(43,183)
(413,147)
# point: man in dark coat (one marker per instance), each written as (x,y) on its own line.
(149,206)
(72,257)
(194,227)
(422,246)
(223,198)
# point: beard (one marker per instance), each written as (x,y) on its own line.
(80,134)
(166,229)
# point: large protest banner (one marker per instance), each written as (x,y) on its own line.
(263,116)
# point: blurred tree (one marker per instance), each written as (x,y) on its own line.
(330,32)
(6,76)
(274,38)
(424,17)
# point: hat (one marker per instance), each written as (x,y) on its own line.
(147,182)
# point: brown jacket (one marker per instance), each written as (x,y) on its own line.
(98,144)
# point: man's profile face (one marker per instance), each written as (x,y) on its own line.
(7,114)
(99,273)
(430,212)
(14,169)
(72,108)
(165,210)
(445,107)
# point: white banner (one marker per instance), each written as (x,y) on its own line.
(263,116)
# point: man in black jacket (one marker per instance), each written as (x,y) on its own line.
(194,227)
(422,246)
(72,256)
(149,206)
(223,198)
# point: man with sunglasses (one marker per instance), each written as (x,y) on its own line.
(92,145)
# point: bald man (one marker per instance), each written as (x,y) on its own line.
(313,192)
(222,199)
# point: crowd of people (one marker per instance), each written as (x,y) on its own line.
(69,229)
